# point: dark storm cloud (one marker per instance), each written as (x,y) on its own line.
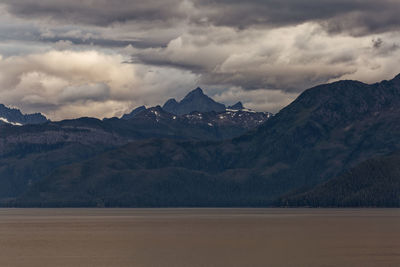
(31,34)
(354,16)
(95,12)
(357,17)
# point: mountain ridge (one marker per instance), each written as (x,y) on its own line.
(30,152)
(326,131)
(15,117)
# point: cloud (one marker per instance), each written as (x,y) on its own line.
(67,58)
(354,16)
(59,83)
(377,43)
(290,59)
(263,100)
(81,93)
(96,12)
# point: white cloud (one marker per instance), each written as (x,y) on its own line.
(259,100)
(61,83)
(290,58)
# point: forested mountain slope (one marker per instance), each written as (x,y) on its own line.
(326,131)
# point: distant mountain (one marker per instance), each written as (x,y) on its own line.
(133,113)
(196,100)
(171,106)
(237,106)
(325,132)
(30,152)
(217,121)
(15,117)
(215,125)
(373,183)
(242,121)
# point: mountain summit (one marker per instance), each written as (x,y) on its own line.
(196,100)
(134,113)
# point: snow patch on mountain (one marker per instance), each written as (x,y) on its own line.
(9,122)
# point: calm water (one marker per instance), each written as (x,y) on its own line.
(199,237)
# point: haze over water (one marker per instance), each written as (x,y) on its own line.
(199,237)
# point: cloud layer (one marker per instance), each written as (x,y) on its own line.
(68,84)
(101,58)
(360,17)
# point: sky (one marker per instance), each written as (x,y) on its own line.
(102,58)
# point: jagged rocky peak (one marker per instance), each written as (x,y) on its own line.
(195,100)
(15,117)
(171,101)
(154,113)
(170,105)
(198,92)
(237,106)
(153,110)
(157,108)
(134,112)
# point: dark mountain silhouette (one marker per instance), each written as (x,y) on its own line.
(237,106)
(15,117)
(29,153)
(373,183)
(133,113)
(196,100)
(171,106)
(325,132)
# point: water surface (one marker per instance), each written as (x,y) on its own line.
(199,237)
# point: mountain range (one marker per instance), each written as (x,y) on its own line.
(28,153)
(15,117)
(335,145)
